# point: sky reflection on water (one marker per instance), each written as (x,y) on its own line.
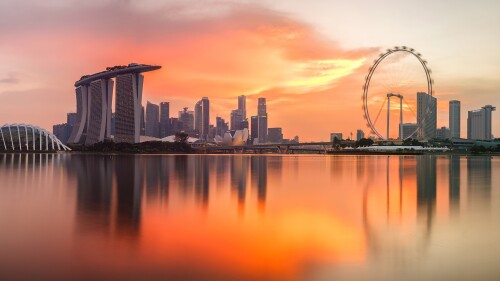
(248,217)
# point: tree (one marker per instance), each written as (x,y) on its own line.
(181,137)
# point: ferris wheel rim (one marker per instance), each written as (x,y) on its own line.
(372,69)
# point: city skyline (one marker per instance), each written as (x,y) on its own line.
(286,70)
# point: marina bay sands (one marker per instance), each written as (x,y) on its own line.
(94,99)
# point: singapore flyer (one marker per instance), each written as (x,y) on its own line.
(398,97)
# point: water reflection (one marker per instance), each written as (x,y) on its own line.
(129,217)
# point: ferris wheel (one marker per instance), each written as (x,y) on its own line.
(401,73)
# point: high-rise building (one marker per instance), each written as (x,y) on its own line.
(242,105)
(220,126)
(254,127)
(94,94)
(408,130)
(337,136)
(152,120)
(164,119)
(235,119)
(202,117)
(454,116)
(443,133)
(426,115)
(128,107)
(262,128)
(174,126)
(275,135)
(263,119)
(187,120)
(479,123)
(360,134)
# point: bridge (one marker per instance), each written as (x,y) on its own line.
(278,148)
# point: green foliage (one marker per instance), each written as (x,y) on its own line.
(363,142)
(181,137)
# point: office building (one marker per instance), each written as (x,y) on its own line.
(360,134)
(409,130)
(443,133)
(202,117)
(254,128)
(186,118)
(164,119)
(221,126)
(479,123)
(454,118)
(334,136)
(426,115)
(262,120)
(235,119)
(242,106)
(275,135)
(152,120)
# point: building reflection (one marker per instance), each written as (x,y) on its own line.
(94,191)
(128,193)
(238,172)
(479,181)
(454,183)
(259,178)
(201,179)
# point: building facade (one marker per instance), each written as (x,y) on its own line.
(152,120)
(242,106)
(186,119)
(479,123)
(426,116)
(275,135)
(409,130)
(360,134)
(262,120)
(164,119)
(202,117)
(443,133)
(94,96)
(337,136)
(454,118)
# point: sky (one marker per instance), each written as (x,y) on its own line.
(308,58)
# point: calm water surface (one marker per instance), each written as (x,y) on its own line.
(249,217)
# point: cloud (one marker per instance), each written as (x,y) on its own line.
(207,48)
(11,78)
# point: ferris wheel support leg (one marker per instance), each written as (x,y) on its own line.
(388,114)
(401,118)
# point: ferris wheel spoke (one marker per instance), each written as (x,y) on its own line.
(379,111)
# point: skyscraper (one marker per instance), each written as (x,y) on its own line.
(426,115)
(263,119)
(128,107)
(479,123)
(152,120)
(202,117)
(186,119)
(242,105)
(164,119)
(235,119)
(360,134)
(254,127)
(220,126)
(454,116)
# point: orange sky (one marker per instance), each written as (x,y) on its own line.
(221,50)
